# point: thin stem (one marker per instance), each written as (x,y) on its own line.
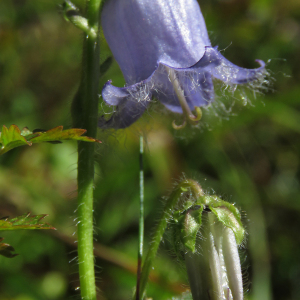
(141,219)
(88,103)
(170,205)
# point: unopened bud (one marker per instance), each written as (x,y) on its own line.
(210,231)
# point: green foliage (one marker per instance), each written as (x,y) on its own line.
(250,156)
(13,137)
(25,221)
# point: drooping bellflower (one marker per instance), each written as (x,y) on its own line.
(163,50)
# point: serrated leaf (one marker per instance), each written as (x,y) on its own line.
(25,221)
(6,249)
(58,134)
(13,137)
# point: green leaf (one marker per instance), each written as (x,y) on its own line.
(13,137)
(6,249)
(25,222)
(58,134)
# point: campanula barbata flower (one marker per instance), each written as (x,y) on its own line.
(163,50)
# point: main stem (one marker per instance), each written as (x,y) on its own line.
(88,102)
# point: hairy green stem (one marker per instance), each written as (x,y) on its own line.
(170,205)
(87,108)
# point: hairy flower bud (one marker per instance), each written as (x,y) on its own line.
(210,231)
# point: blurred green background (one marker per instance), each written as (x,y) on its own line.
(247,154)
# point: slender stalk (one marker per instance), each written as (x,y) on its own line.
(141,219)
(88,106)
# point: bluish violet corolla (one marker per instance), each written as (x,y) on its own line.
(163,50)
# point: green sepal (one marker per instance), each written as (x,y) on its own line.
(229,215)
(179,213)
(188,224)
(192,224)
(226,213)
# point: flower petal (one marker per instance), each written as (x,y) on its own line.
(126,114)
(113,95)
(131,103)
(229,73)
(143,33)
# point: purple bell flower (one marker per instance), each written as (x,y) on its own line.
(163,50)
